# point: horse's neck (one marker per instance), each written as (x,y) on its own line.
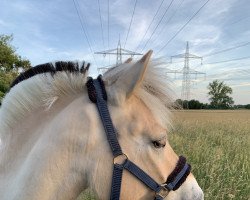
(44,154)
(19,140)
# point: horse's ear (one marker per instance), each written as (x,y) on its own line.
(134,75)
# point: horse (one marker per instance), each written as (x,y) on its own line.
(53,145)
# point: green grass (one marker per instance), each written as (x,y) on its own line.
(86,195)
(217,144)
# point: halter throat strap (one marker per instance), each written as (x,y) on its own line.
(97,94)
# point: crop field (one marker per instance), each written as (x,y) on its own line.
(217,144)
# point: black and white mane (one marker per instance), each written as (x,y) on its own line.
(52,69)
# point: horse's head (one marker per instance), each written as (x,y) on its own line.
(139,103)
(55,144)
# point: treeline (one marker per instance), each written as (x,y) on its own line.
(10,64)
(195,104)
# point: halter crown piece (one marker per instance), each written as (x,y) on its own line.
(97,94)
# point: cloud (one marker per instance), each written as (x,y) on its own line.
(50,30)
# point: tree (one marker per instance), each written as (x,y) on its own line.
(192,104)
(247,106)
(219,95)
(195,104)
(10,63)
(180,104)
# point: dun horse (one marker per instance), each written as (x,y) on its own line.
(54,145)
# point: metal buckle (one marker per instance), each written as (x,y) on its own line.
(121,159)
(163,191)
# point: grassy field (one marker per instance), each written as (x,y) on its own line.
(217,144)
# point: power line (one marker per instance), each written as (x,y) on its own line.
(232,72)
(228,49)
(130,23)
(247,17)
(223,61)
(150,24)
(230,26)
(228,75)
(157,25)
(183,26)
(222,51)
(101,22)
(169,19)
(85,34)
(81,22)
(108,30)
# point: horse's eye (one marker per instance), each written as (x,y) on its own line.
(159,144)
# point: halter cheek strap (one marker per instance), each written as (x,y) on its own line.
(97,94)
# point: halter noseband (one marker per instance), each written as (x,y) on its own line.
(97,94)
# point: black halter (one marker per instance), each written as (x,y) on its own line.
(97,94)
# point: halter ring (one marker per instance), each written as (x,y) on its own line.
(121,159)
(163,191)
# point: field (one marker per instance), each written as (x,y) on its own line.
(217,144)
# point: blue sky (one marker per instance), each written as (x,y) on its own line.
(46,31)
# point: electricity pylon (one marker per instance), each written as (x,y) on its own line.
(118,52)
(186,72)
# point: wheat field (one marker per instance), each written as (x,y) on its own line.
(217,144)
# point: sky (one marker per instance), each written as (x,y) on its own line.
(46,31)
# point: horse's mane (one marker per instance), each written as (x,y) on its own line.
(52,69)
(42,85)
